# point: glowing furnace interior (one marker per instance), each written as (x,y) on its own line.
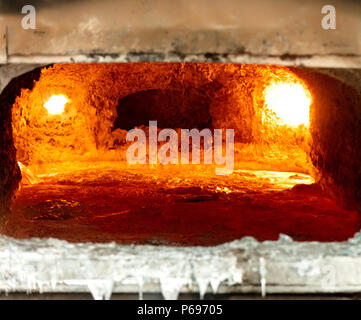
(70,129)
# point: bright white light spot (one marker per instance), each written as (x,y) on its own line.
(290,102)
(56,104)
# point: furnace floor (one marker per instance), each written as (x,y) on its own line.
(177,207)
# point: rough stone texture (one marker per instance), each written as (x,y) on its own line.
(282,32)
(242,266)
(3,41)
(336,131)
(10,71)
(9,170)
(351,77)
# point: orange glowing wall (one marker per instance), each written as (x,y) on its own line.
(232,96)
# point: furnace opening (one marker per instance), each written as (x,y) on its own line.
(170,108)
(69,128)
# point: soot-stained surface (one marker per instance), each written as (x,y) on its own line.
(175,206)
